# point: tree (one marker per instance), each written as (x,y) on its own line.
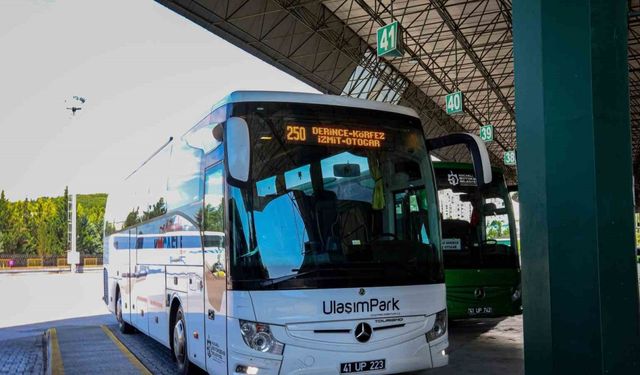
(4,212)
(44,225)
(40,225)
(158,209)
(89,236)
(4,220)
(133,218)
(213,218)
(17,237)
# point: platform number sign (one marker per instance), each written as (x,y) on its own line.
(486,133)
(510,158)
(388,40)
(454,103)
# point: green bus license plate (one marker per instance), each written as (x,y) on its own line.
(480,310)
(362,366)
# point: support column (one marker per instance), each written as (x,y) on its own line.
(580,286)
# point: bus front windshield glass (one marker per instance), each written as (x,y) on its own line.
(337,198)
(477,229)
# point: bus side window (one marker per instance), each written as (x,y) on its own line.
(213,218)
(185,180)
(496,220)
(213,227)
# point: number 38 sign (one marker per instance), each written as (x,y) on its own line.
(509,158)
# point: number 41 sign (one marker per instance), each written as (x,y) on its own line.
(389,40)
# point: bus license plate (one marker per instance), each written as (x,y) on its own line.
(362,366)
(480,310)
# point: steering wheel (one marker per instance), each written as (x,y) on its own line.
(385,234)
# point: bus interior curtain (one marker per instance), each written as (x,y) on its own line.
(378,190)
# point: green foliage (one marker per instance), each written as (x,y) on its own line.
(496,230)
(213,218)
(133,218)
(40,226)
(16,234)
(158,209)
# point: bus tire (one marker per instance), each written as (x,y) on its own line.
(179,344)
(123,326)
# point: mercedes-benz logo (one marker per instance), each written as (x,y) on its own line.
(453,179)
(362,291)
(363,332)
(479,293)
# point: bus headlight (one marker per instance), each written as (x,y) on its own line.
(516,294)
(439,327)
(258,337)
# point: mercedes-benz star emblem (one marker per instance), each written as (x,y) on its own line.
(479,293)
(362,291)
(363,332)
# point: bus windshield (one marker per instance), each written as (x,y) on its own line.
(477,224)
(337,198)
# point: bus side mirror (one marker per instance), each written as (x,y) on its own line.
(477,148)
(237,148)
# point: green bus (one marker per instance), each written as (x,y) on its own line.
(479,243)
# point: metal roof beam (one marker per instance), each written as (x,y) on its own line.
(453,27)
(377,18)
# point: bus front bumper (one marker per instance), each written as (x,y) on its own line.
(415,354)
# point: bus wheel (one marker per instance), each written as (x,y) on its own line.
(180,351)
(122,325)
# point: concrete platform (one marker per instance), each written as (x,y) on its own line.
(485,346)
(481,346)
(90,350)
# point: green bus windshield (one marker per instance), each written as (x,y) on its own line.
(478,228)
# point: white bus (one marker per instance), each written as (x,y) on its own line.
(286,234)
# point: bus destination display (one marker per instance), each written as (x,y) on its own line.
(334,136)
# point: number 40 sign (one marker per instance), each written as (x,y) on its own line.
(454,103)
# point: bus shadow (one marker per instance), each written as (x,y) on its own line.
(483,346)
(474,325)
(464,331)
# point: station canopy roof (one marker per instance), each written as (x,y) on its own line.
(452,45)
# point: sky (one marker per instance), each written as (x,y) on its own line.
(147,74)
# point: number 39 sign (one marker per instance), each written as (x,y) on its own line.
(486,133)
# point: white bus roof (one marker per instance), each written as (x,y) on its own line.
(299,97)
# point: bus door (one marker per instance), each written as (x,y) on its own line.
(194,317)
(139,301)
(215,269)
(126,245)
